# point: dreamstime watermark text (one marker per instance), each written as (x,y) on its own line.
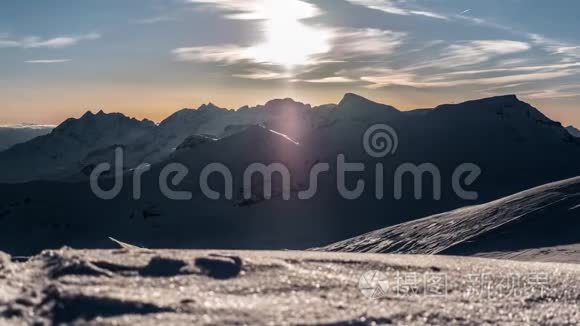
(379,142)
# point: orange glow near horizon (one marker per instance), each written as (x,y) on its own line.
(51,106)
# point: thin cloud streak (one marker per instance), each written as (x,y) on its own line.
(262,9)
(394,8)
(48,61)
(515,69)
(26,126)
(56,42)
(153,20)
(566,91)
(412,80)
(567,50)
(328,80)
(263,75)
(472,53)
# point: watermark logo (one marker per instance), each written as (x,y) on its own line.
(372,283)
(380,142)
(375,284)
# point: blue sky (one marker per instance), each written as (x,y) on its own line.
(148,58)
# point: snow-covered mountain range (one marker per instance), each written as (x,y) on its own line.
(75,146)
(514,144)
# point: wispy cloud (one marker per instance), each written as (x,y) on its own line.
(153,20)
(395,78)
(285,40)
(428,14)
(564,91)
(365,55)
(227,54)
(339,45)
(472,53)
(31,126)
(567,51)
(352,43)
(259,74)
(262,9)
(328,80)
(396,8)
(518,69)
(37,42)
(48,61)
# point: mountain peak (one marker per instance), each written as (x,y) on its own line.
(87,114)
(357,104)
(503,99)
(280,100)
(510,97)
(353,97)
(284,102)
(488,103)
(505,107)
(210,106)
(100,120)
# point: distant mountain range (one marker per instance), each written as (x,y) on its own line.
(78,144)
(11,135)
(514,144)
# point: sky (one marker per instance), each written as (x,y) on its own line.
(149,58)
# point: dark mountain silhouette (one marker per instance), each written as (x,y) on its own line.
(356,107)
(515,146)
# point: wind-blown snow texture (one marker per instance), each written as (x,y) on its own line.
(544,220)
(282,288)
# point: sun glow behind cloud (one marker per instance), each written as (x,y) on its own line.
(289,42)
(286,40)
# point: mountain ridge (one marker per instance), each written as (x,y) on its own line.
(573,131)
(514,148)
(95,132)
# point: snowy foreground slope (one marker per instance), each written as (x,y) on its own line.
(283,288)
(539,224)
